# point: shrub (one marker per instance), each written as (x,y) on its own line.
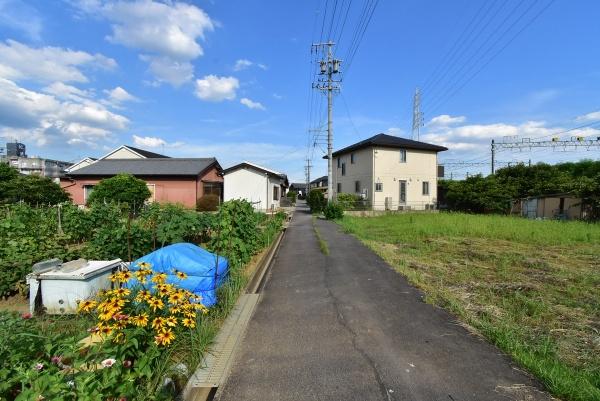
(333,211)
(123,189)
(292,195)
(316,201)
(31,189)
(208,203)
(348,201)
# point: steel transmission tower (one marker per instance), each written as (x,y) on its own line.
(329,68)
(417,115)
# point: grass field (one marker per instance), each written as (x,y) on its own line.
(530,287)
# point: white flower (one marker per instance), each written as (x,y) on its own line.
(39,366)
(71,383)
(107,363)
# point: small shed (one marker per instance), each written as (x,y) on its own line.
(563,206)
(258,185)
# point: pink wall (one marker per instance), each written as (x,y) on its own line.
(183,190)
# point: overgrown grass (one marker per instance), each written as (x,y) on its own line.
(530,287)
(322,243)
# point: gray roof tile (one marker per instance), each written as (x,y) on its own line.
(146,167)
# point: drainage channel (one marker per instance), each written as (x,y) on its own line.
(214,368)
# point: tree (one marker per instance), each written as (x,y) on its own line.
(7,173)
(33,190)
(316,201)
(122,188)
(477,194)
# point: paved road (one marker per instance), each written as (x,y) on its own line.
(347,327)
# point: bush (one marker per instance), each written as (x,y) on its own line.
(208,203)
(292,195)
(122,189)
(31,189)
(348,201)
(316,201)
(333,211)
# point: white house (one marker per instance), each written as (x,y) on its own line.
(390,172)
(259,185)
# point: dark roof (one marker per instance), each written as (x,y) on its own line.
(298,185)
(256,167)
(147,153)
(147,167)
(316,180)
(389,141)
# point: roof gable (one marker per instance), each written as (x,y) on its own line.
(125,151)
(255,167)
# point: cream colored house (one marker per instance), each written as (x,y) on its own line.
(389,172)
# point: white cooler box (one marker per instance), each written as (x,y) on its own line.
(57,286)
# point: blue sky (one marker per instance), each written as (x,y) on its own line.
(231,79)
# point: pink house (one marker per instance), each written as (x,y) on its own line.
(174,180)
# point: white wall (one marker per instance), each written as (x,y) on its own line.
(254,186)
(361,170)
(124,153)
(420,166)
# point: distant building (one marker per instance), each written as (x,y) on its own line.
(81,163)
(320,183)
(562,206)
(169,179)
(17,158)
(389,172)
(298,187)
(259,185)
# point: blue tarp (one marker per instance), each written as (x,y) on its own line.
(196,262)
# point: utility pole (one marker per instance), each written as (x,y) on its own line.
(329,67)
(417,115)
(307,174)
(493,156)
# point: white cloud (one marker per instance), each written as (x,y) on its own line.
(47,64)
(395,131)
(277,96)
(22,17)
(251,104)
(593,116)
(63,116)
(168,70)
(445,119)
(64,91)
(166,33)
(216,89)
(243,63)
(148,141)
(119,95)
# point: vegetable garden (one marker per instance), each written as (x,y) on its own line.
(146,343)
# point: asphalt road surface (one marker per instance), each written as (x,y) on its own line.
(348,327)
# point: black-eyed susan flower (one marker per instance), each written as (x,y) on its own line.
(158,323)
(155,303)
(180,275)
(87,305)
(144,265)
(171,321)
(140,320)
(164,338)
(188,322)
(159,278)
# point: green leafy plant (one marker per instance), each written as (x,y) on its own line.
(348,201)
(333,211)
(292,195)
(31,189)
(316,201)
(208,203)
(123,189)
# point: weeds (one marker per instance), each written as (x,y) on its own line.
(322,243)
(530,287)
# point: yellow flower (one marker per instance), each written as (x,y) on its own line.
(171,321)
(120,292)
(180,275)
(164,338)
(159,278)
(155,303)
(143,295)
(158,323)
(125,276)
(119,338)
(105,329)
(114,277)
(163,290)
(188,322)
(175,298)
(175,309)
(144,265)
(140,320)
(87,305)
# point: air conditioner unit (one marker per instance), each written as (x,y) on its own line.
(388,203)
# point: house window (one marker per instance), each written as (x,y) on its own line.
(87,191)
(339,187)
(378,187)
(402,155)
(275,193)
(425,187)
(338,162)
(357,186)
(351,158)
(212,188)
(343,168)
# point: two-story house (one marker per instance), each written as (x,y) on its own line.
(389,172)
